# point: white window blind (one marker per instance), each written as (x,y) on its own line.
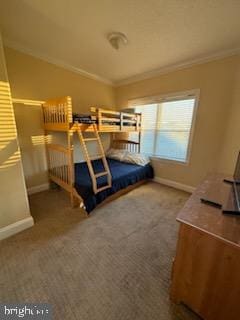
(166,128)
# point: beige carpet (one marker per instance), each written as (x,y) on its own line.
(114,265)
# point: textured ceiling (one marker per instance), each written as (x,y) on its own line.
(161,33)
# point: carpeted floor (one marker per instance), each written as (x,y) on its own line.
(114,265)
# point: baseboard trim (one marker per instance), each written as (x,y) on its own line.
(16,227)
(36,189)
(174,184)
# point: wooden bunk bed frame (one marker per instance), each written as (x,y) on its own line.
(57,116)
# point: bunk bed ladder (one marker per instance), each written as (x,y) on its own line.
(89,159)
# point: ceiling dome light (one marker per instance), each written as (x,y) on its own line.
(116,39)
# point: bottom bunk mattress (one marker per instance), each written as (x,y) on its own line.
(123,175)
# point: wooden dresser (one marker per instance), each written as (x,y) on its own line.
(206,269)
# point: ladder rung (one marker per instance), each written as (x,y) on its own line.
(96,157)
(103,188)
(100,174)
(90,139)
(100,156)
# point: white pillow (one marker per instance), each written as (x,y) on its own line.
(116,154)
(135,158)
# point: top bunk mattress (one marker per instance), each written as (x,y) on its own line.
(91,119)
(123,175)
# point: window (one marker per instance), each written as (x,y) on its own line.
(167,127)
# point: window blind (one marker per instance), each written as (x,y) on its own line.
(166,128)
(149,121)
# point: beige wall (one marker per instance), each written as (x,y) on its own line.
(34,79)
(231,141)
(216,83)
(32,144)
(215,141)
(13,198)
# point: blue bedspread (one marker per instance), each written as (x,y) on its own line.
(123,175)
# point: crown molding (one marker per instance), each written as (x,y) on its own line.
(143,76)
(176,67)
(14,45)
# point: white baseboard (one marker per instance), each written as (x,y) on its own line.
(16,227)
(36,189)
(175,184)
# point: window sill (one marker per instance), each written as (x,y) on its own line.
(170,161)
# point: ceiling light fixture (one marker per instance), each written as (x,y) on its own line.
(116,39)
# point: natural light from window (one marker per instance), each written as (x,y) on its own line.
(166,128)
(9,150)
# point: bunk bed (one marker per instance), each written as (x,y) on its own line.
(98,179)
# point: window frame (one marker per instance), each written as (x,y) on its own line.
(195,93)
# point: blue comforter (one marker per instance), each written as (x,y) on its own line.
(123,175)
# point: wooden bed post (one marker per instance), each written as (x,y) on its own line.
(99,116)
(139,132)
(71,165)
(139,141)
(47,155)
(121,121)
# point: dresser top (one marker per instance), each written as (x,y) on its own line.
(208,218)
